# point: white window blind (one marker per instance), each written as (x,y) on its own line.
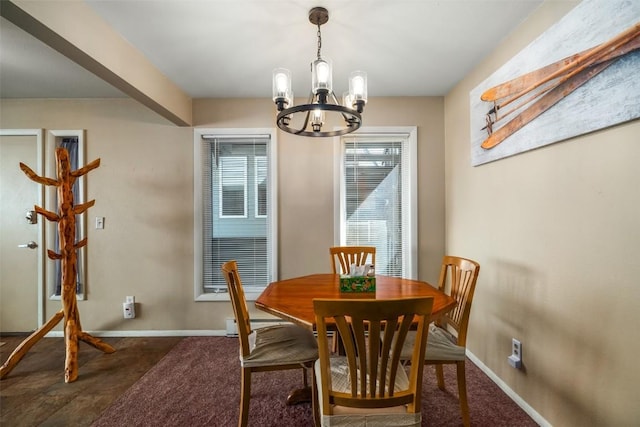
(261,186)
(234,171)
(376,206)
(232,186)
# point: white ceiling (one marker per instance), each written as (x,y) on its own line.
(228,48)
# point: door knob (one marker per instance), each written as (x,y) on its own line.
(30,245)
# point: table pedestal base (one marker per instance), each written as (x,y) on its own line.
(301,395)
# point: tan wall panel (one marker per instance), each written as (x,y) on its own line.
(556,232)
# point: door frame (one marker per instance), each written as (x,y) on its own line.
(42,244)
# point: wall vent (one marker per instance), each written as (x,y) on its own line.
(232,328)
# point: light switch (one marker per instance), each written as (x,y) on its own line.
(99,222)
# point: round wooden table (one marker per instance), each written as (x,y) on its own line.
(292,299)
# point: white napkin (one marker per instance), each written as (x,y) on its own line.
(362,270)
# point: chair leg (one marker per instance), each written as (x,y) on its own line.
(440,376)
(314,400)
(245,395)
(334,343)
(304,377)
(462,392)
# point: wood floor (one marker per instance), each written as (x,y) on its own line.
(35,394)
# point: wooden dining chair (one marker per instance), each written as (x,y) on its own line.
(271,348)
(343,256)
(448,336)
(369,385)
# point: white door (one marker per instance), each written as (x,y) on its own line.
(20,261)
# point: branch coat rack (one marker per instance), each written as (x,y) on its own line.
(66,219)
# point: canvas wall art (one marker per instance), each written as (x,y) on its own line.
(581,75)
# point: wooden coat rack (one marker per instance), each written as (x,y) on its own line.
(66,219)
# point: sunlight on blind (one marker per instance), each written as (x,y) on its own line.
(235,171)
(373,197)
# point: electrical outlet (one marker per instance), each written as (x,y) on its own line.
(515,360)
(129,310)
(516,348)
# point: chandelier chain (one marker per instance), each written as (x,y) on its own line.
(319,41)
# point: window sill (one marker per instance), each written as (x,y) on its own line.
(79,297)
(250,294)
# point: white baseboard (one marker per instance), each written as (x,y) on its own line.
(509,392)
(186,333)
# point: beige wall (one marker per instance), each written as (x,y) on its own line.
(144,189)
(557,233)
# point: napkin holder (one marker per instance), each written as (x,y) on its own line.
(360,279)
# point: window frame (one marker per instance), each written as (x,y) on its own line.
(251,292)
(409,191)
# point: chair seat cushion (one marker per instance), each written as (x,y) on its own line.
(343,416)
(281,344)
(441,345)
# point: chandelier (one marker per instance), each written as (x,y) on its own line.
(322,101)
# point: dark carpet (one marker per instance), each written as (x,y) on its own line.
(198,384)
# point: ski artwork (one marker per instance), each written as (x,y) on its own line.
(536,99)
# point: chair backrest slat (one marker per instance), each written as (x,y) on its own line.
(343,256)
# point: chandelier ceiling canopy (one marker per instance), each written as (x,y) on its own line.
(308,119)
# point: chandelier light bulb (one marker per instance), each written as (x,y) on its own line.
(317,120)
(358,89)
(321,75)
(282,86)
(358,86)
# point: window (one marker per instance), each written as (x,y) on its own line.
(377,196)
(73,141)
(235,209)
